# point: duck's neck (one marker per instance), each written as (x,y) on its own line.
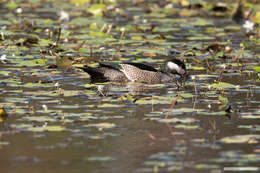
(163,69)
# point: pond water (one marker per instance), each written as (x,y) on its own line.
(58,121)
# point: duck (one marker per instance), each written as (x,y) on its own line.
(137,72)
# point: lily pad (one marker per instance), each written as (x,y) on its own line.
(101,159)
(97,9)
(178,120)
(102,125)
(240,139)
(222,85)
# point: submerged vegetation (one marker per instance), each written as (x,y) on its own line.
(49,104)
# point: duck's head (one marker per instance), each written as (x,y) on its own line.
(175,66)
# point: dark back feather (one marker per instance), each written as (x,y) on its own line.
(108,66)
(142,66)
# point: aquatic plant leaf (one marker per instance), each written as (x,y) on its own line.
(81,2)
(39,118)
(12,5)
(54,128)
(107,105)
(101,159)
(213,113)
(187,95)
(178,120)
(33,128)
(30,63)
(37,85)
(251,127)
(223,99)
(222,85)
(198,68)
(250,116)
(257,17)
(219,54)
(70,93)
(184,110)
(206,166)
(99,34)
(102,125)
(256,68)
(187,127)
(239,139)
(97,9)
(4,143)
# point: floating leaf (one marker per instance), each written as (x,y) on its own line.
(102,159)
(39,119)
(187,127)
(240,139)
(4,143)
(178,120)
(219,54)
(102,125)
(251,127)
(54,128)
(80,1)
(11,5)
(105,105)
(213,113)
(257,18)
(250,116)
(158,100)
(223,99)
(33,128)
(70,93)
(99,34)
(256,68)
(222,85)
(197,68)
(97,9)
(184,110)
(206,166)
(187,95)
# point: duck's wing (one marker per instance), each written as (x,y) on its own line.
(141,66)
(105,73)
(109,66)
(137,72)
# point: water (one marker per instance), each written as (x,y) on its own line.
(59,122)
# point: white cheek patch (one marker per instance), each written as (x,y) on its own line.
(174,66)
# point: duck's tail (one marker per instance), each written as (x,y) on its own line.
(94,73)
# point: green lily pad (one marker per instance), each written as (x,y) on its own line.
(108,105)
(187,127)
(178,120)
(54,128)
(97,9)
(39,119)
(239,139)
(33,128)
(102,125)
(256,68)
(101,159)
(222,85)
(223,99)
